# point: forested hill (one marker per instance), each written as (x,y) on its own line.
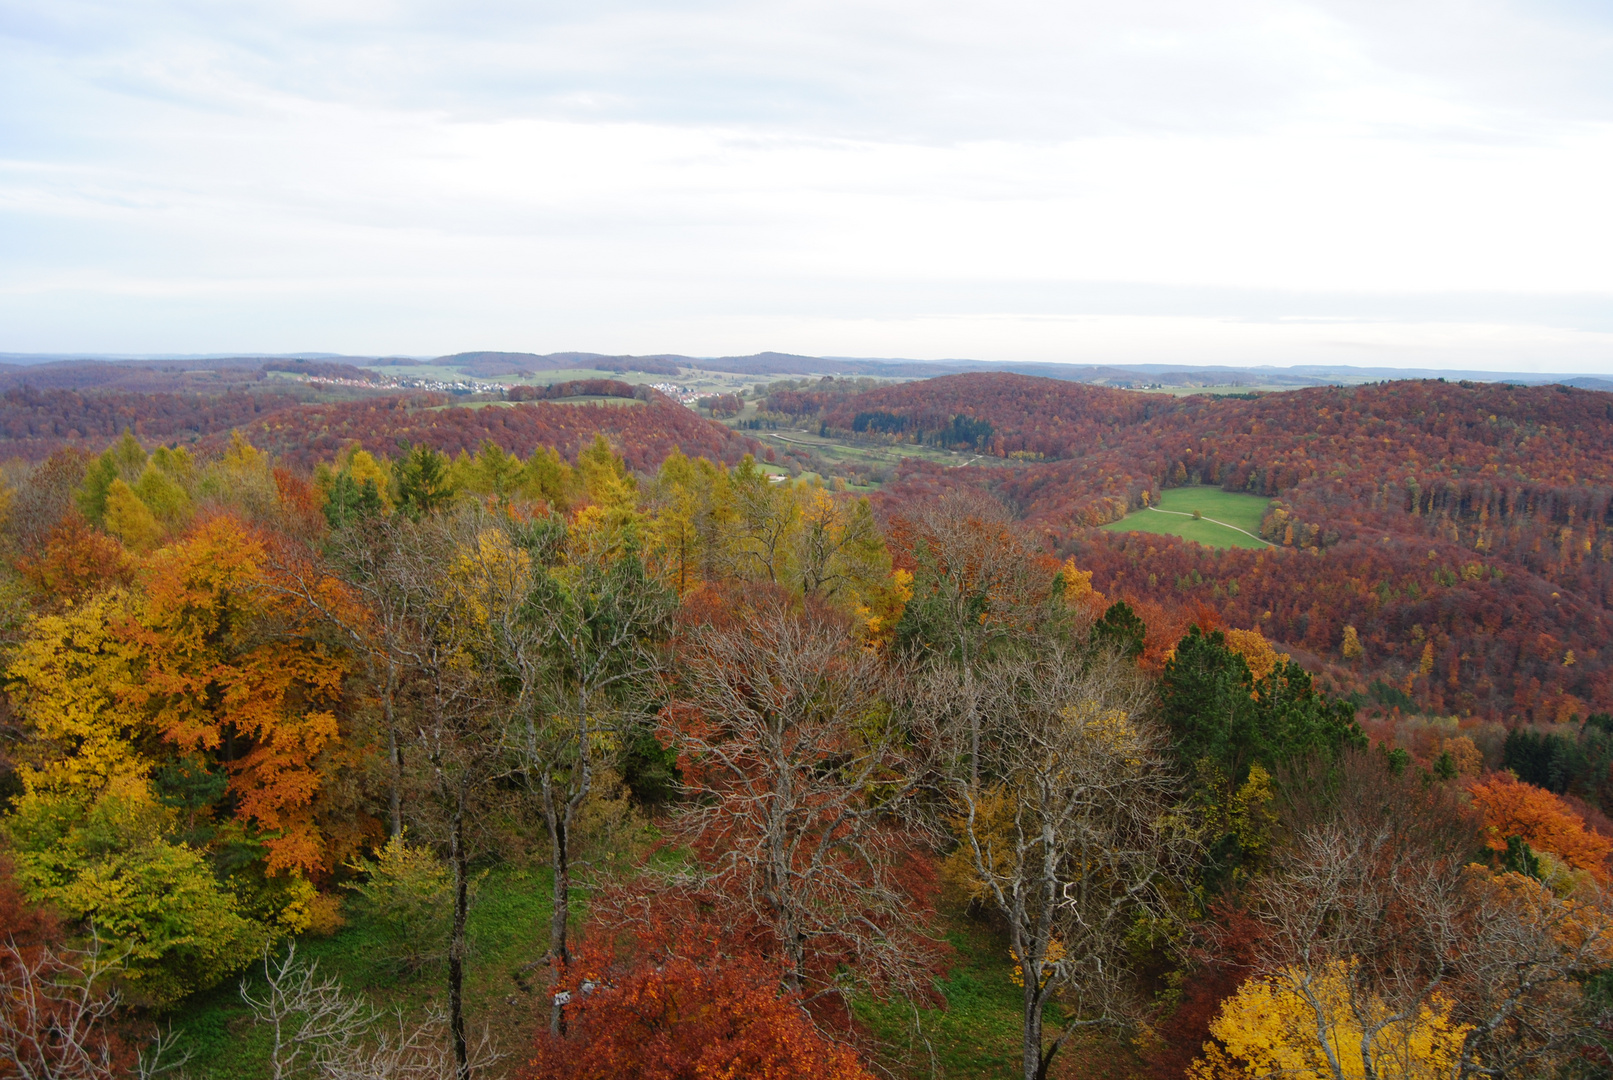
(34,423)
(1460,528)
(479,739)
(646,429)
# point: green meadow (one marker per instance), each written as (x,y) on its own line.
(1173,516)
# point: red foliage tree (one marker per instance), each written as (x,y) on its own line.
(676,1019)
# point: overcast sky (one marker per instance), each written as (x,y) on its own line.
(1413,182)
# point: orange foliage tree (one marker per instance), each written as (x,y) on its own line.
(231,670)
(1513,808)
(678,1020)
(77,561)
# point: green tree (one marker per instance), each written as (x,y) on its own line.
(1230,730)
(1120,629)
(124,461)
(492,473)
(111,865)
(1217,710)
(349,500)
(421,484)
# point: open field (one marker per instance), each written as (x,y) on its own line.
(868,455)
(1225,513)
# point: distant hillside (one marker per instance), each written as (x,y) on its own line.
(35,422)
(490,364)
(644,434)
(1465,531)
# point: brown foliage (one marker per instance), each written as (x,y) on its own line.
(76,562)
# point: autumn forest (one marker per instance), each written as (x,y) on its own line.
(573,732)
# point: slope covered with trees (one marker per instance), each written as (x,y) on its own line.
(1459,529)
(760,778)
(646,433)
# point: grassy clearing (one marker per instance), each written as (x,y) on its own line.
(861,456)
(977,1033)
(509,926)
(1233,508)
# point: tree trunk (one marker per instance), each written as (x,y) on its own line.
(974,726)
(456,944)
(1032,1056)
(394,751)
(559,817)
(559,948)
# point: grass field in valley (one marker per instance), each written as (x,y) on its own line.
(1173,516)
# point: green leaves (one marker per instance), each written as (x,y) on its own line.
(154,903)
(1215,709)
(420,481)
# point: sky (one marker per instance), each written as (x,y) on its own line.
(1421,183)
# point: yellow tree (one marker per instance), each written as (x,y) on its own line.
(691,521)
(839,553)
(71,679)
(1309,1026)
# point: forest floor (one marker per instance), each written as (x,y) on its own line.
(509,926)
(975,1030)
(974,1034)
(1231,519)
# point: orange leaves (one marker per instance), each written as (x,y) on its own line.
(1256,652)
(1513,808)
(682,1021)
(229,671)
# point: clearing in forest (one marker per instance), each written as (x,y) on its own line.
(1230,519)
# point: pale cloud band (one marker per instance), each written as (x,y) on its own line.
(1416,183)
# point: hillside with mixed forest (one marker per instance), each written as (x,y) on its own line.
(563,732)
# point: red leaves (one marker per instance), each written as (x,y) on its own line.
(679,1020)
(77,561)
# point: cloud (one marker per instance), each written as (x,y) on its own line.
(411,176)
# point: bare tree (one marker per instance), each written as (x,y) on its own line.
(311,1019)
(799,774)
(978,593)
(1070,829)
(56,1015)
(1374,883)
(320,1030)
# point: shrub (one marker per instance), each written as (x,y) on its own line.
(406,894)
